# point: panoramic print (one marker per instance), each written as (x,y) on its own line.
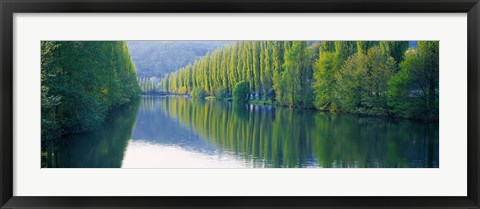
(240,104)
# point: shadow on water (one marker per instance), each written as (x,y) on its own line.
(255,136)
(103,148)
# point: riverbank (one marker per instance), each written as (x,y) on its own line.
(363,112)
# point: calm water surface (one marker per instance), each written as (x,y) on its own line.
(176,132)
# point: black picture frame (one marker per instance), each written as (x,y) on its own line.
(9,7)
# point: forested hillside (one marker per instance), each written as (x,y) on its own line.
(155,58)
(81,82)
(386,78)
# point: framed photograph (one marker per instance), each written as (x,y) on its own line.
(239,104)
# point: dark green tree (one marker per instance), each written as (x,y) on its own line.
(240,92)
(81,82)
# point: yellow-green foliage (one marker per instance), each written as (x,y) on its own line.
(363,77)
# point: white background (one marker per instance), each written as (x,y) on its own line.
(448,180)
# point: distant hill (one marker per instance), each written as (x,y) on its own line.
(155,58)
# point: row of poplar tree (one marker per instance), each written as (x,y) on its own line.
(81,81)
(149,84)
(369,77)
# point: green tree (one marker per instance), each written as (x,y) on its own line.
(277,69)
(256,66)
(395,49)
(240,92)
(81,82)
(414,89)
(347,76)
(198,93)
(363,46)
(267,74)
(362,82)
(220,93)
(324,87)
(296,74)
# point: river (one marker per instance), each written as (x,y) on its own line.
(177,132)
